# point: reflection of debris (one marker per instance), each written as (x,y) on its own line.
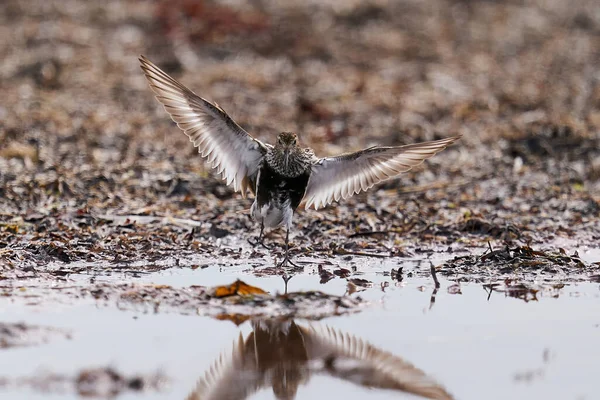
(536,373)
(351,288)
(396,274)
(528,376)
(361,282)
(522,291)
(454,289)
(237,299)
(325,275)
(434,275)
(237,319)
(342,272)
(103,382)
(17,335)
(96,382)
(284,355)
(436,283)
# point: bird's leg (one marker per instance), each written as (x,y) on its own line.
(286,278)
(261,238)
(286,258)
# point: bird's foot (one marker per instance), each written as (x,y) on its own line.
(259,241)
(287,260)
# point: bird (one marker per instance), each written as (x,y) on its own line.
(283,355)
(283,175)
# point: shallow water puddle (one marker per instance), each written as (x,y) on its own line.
(466,343)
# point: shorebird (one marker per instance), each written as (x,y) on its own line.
(283,175)
(283,356)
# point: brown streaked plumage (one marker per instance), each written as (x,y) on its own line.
(283,175)
(227,147)
(283,355)
(335,178)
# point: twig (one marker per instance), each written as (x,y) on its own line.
(149,219)
(437,285)
(432,298)
(489,286)
(434,275)
(359,253)
(370,233)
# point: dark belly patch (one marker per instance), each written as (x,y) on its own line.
(274,187)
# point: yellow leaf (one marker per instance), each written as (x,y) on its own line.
(238,288)
(237,319)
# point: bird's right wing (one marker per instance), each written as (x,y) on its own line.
(334,178)
(230,149)
(352,359)
(228,378)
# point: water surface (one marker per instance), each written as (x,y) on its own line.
(472,344)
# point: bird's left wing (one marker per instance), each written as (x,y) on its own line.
(334,178)
(230,149)
(352,359)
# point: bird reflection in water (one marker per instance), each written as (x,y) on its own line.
(284,355)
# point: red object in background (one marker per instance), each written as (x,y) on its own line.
(199,20)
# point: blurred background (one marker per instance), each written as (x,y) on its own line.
(100,192)
(519,79)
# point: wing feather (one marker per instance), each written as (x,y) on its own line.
(227,147)
(353,359)
(229,377)
(333,178)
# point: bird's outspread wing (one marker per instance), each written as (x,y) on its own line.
(334,178)
(352,359)
(230,377)
(227,147)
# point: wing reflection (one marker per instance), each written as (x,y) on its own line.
(283,355)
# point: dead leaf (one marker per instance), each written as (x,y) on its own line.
(237,319)
(238,288)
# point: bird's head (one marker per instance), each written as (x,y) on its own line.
(287,157)
(287,141)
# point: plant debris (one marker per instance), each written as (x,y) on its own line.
(238,299)
(520,263)
(94,382)
(20,334)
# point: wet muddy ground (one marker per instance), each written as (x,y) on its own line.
(125,264)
